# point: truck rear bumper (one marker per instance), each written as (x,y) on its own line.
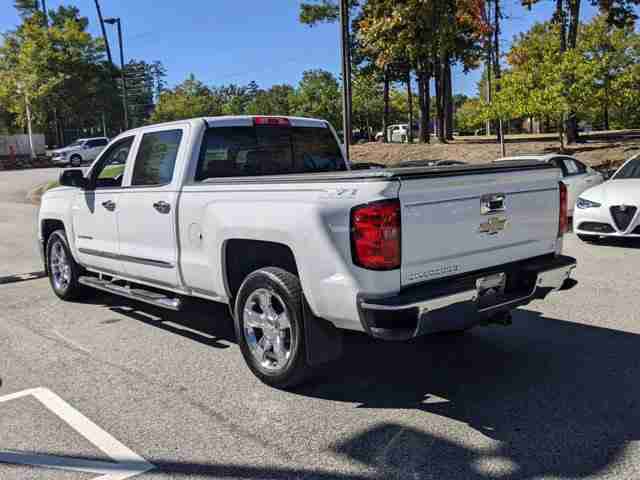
(458,303)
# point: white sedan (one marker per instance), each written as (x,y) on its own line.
(611,209)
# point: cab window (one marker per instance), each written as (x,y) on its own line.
(109,172)
(156,158)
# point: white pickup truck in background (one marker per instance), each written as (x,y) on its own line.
(265,214)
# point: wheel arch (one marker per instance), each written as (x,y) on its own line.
(242,256)
(47,227)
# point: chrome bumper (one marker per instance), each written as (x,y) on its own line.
(456,305)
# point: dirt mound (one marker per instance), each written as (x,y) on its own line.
(596,149)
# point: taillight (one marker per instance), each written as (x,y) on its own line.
(274,121)
(375,235)
(563,223)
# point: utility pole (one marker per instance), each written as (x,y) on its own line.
(346,75)
(125,106)
(104,32)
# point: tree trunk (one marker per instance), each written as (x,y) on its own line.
(448,99)
(423,101)
(385,115)
(496,56)
(427,104)
(421,129)
(569,42)
(605,106)
(56,124)
(439,104)
(410,106)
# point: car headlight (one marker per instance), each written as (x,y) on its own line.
(583,203)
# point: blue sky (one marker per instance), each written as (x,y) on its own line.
(236,41)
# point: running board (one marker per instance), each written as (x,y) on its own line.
(139,294)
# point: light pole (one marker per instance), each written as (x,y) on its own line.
(346,75)
(104,32)
(112,21)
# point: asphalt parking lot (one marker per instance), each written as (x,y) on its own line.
(112,389)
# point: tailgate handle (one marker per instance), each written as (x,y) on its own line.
(492,203)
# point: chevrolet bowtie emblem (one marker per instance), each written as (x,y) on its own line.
(493,225)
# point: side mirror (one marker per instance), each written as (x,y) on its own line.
(73,178)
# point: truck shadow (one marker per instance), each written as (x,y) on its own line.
(206,323)
(551,397)
(559,398)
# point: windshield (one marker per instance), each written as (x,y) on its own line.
(630,170)
(77,143)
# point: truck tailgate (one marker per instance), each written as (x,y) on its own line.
(477,218)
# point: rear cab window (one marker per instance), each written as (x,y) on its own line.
(258,150)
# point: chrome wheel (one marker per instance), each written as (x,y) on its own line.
(59,266)
(267,330)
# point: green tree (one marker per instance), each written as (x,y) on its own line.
(27,72)
(58,69)
(469,116)
(367,100)
(26,8)
(613,53)
(274,101)
(318,95)
(145,82)
(188,100)
(534,86)
(567,19)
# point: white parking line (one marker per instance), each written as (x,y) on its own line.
(22,277)
(126,463)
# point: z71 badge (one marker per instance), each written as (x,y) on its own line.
(493,225)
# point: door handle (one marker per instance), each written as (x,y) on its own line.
(109,205)
(162,207)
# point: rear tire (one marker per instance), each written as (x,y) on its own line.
(63,270)
(269,327)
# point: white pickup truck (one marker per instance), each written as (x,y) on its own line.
(264,214)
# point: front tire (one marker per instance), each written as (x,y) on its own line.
(76,161)
(63,270)
(270,328)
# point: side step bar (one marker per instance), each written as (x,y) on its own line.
(139,294)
